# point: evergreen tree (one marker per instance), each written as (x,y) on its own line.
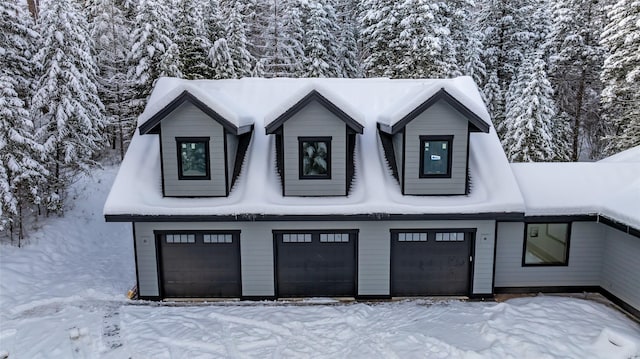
(379,22)
(193,41)
(109,29)
(242,60)
(153,52)
(621,74)
(21,157)
(219,55)
(284,53)
(529,128)
(320,43)
(66,101)
(576,62)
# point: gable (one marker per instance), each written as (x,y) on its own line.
(313,96)
(152,124)
(476,123)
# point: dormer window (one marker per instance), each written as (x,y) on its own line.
(193,158)
(435,156)
(315,157)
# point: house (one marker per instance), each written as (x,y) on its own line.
(365,188)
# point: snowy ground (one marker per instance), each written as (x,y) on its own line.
(63,296)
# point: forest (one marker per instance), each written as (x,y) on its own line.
(560,77)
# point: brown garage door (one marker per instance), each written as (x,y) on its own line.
(200,264)
(430,262)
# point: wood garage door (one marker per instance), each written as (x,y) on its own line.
(316,263)
(200,264)
(430,262)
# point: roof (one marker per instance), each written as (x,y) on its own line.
(606,188)
(137,189)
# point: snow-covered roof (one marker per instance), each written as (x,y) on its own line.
(610,189)
(629,155)
(137,189)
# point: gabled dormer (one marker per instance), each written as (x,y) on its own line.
(201,150)
(315,142)
(426,142)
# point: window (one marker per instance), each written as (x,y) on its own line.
(435,156)
(217,238)
(412,237)
(546,244)
(450,237)
(315,157)
(193,158)
(180,238)
(334,237)
(296,238)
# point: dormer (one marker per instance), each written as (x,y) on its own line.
(315,142)
(201,150)
(426,142)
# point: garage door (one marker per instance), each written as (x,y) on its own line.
(316,263)
(200,264)
(425,263)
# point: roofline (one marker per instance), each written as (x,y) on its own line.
(273,126)
(479,125)
(150,125)
(253,217)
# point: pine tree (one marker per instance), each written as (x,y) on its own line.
(320,43)
(153,52)
(109,28)
(284,54)
(347,52)
(242,60)
(576,62)
(621,74)
(193,41)
(219,56)
(71,122)
(379,22)
(21,157)
(529,129)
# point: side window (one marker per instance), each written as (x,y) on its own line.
(193,158)
(546,244)
(315,157)
(435,156)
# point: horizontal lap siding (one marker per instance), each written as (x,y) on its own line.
(188,121)
(257,257)
(585,258)
(315,121)
(439,119)
(621,267)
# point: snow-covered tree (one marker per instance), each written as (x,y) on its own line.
(621,74)
(347,52)
(153,52)
(193,40)
(576,62)
(528,127)
(379,21)
(71,123)
(242,60)
(110,31)
(284,53)
(21,157)
(320,42)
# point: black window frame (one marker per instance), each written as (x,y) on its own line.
(449,140)
(301,175)
(207,154)
(564,263)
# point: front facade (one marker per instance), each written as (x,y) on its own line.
(344,188)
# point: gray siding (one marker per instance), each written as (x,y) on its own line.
(585,258)
(621,266)
(397,149)
(439,119)
(256,247)
(188,121)
(232,149)
(315,121)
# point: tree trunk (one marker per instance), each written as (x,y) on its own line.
(577,124)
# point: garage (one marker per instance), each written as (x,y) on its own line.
(199,264)
(315,263)
(430,262)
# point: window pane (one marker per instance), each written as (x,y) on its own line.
(436,158)
(194,159)
(546,243)
(315,158)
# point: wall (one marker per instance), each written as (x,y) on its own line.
(188,121)
(621,266)
(439,119)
